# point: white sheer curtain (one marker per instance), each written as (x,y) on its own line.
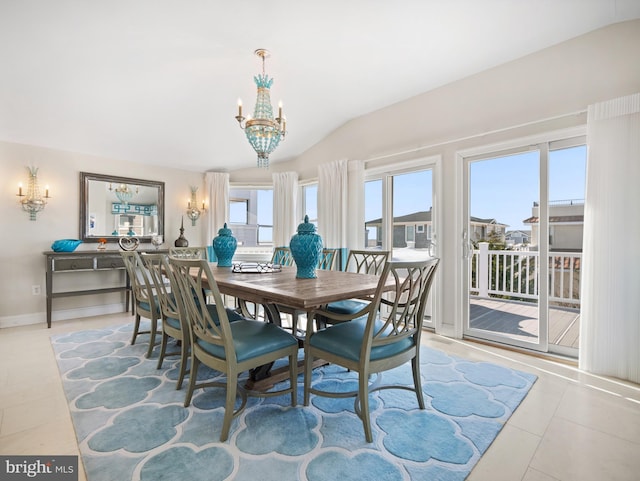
(217,188)
(333,203)
(610,295)
(355,214)
(285,216)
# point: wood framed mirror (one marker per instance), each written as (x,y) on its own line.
(112,207)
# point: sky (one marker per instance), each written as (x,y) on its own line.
(505,188)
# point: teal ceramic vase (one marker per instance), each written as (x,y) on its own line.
(224,246)
(306,249)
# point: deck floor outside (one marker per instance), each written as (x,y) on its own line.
(520,321)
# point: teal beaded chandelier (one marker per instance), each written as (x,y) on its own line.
(263,132)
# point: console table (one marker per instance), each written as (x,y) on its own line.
(87,261)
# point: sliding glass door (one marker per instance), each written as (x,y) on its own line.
(524,212)
(400,215)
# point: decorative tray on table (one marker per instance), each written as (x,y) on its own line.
(255,268)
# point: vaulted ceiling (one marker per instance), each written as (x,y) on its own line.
(158,81)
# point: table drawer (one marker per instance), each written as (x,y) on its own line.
(72,263)
(110,262)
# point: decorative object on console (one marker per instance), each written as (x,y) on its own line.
(224,246)
(157,241)
(263,132)
(65,245)
(128,243)
(182,240)
(306,249)
(193,212)
(33,202)
(102,244)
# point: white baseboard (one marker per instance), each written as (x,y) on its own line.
(62,315)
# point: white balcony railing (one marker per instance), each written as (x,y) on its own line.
(514,275)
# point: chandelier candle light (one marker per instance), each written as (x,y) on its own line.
(193,212)
(33,202)
(123,192)
(263,132)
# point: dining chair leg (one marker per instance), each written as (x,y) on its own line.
(152,337)
(192,380)
(232,387)
(363,398)
(136,328)
(184,358)
(163,349)
(417,381)
(308,372)
(293,378)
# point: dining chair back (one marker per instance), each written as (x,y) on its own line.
(188,252)
(366,261)
(363,262)
(145,301)
(385,334)
(282,256)
(328,259)
(228,347)
(327,262)
(174,324)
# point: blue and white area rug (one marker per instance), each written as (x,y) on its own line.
(131,423)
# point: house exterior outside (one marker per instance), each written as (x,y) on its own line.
(566,225)
(482,229)
(415,230)
(514,238)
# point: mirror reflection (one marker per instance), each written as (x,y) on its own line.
(113,207)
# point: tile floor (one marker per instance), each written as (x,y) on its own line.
(571,426)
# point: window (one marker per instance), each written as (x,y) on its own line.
(310,202)
(373,213)
(400,212)
(238,211)
(251,213)
(395,204)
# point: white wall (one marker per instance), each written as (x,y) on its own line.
(542,92)
(23,241)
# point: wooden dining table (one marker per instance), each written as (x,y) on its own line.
(283,288)
(271,289)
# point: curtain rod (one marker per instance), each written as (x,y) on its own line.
(475,136)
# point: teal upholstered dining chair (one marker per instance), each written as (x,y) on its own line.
(145,301)
(174,324)
(327,261)
(383,335)
(228,347)
(364,262)
(280,256)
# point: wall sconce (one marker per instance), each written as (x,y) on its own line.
(33,202)
(193,212)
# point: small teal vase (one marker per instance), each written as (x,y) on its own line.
(224,246)
(306,249)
